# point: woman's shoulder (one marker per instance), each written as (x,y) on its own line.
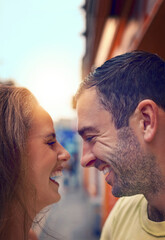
(32,235)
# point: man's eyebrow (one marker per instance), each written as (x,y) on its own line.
(53,135)
(84,130)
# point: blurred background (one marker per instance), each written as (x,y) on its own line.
(50,47)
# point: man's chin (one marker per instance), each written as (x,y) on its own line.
(117,194)
(117,191)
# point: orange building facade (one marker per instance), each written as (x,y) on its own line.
(112,28)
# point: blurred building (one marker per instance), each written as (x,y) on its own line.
(66,130)
(112,28)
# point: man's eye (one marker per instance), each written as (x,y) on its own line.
(51,143)
(88,139)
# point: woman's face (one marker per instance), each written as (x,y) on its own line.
(45,159)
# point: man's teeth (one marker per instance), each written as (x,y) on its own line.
(106,170)
(56,174)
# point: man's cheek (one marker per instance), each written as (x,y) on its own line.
(102,151)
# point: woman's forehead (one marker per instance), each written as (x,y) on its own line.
(41,122)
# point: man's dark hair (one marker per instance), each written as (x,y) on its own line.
(125,80)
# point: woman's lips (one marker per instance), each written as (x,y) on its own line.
(56,173)
(52,180)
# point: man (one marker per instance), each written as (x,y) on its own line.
(121,119)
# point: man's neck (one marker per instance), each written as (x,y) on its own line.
(154,214)
(156,208)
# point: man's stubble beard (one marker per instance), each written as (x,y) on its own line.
(135,172)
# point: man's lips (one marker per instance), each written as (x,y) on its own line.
(106,170)
(90,163)
(102,166)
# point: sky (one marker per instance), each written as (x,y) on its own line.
(41,48)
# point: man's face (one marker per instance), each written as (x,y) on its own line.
(117,153)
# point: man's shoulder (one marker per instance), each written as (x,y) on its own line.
(131,200)
(123,217)
(125,205)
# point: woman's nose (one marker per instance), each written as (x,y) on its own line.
(63,154)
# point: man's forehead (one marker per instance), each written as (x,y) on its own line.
(87,107)
(91,114)
(88,94)
(88,101)
(86,111)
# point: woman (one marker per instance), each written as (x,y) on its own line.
(30,158)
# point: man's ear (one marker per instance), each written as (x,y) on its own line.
(148,119)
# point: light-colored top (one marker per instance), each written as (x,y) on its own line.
(128,220)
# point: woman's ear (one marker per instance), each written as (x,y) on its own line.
(148,119)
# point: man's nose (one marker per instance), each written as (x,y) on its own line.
(88,158)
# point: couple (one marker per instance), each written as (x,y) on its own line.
(121,119)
